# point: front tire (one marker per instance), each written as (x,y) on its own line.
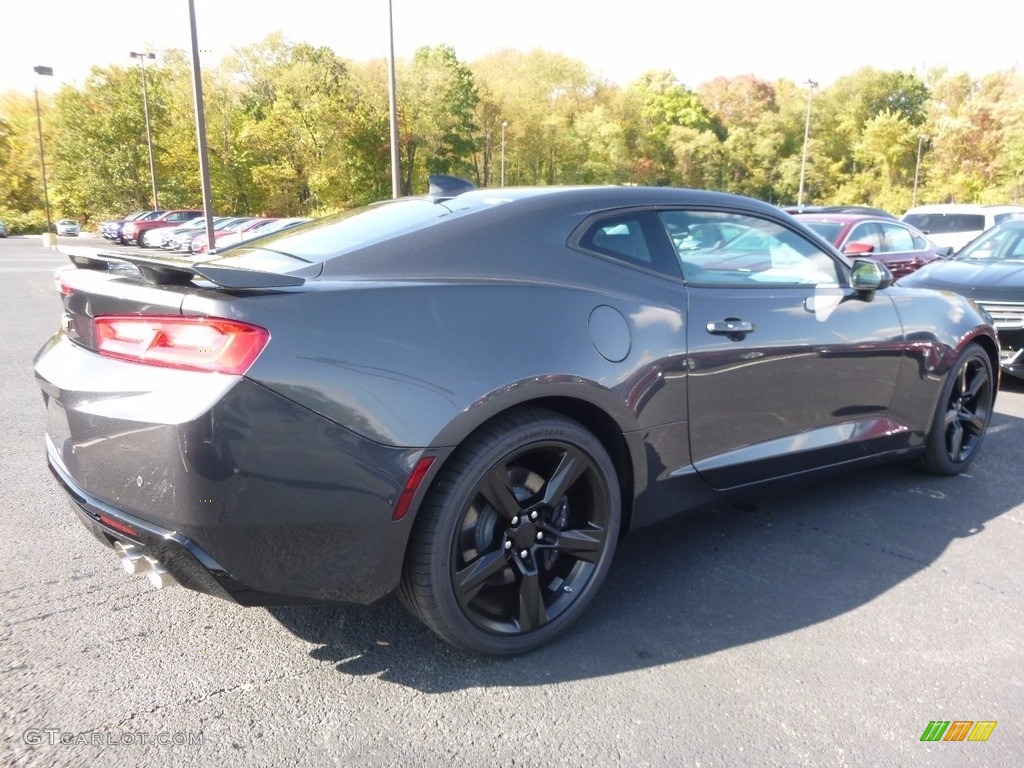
(962,414)
(515,536)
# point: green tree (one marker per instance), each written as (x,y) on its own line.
(21,188)
(437,97)
(294,98)
(659,104)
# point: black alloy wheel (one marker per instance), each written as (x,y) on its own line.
(516,535)
(962,414)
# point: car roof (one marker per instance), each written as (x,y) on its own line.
(862,209)
(964,208)
(844,218)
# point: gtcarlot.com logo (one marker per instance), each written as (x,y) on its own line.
(55,736)
(958,730)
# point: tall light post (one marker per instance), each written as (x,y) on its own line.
(811,85)
(204,155)
(145,106)
(504,125)
(48,72)
(917,169)
(396,171)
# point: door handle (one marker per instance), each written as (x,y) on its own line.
(732,327)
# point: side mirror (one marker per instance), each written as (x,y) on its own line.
(858,249)
(869,276)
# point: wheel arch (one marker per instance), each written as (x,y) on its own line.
(991,348)
(591,416)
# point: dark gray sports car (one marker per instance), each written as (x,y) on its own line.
(470,397)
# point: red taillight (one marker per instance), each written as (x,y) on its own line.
(190,343)
(411,486)
(117,525)
(62,288)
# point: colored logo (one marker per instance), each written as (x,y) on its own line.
(958,730)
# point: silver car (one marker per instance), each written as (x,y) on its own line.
(68,228)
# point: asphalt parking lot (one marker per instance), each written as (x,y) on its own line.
(827,625)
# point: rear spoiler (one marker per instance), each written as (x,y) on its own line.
(157,270)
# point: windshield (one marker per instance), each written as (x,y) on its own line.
(1004,242)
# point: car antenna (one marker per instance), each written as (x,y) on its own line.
(444,187)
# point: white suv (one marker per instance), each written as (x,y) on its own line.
(957,224)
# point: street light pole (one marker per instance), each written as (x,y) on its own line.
(811,85)
(48,72)
(504,125)
(396,171)
(204,156)
(917,169)
(149,135)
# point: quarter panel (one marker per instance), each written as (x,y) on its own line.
(422,363)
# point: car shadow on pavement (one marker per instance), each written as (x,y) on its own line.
(725,578)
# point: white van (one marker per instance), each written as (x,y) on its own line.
(957,224)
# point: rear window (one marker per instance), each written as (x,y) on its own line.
(826,229)
(341,233)
(941,224)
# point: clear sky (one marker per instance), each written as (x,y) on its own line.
(619,41)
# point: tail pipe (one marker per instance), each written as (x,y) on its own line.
(135,560)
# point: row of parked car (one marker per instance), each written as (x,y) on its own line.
(974,250)
(184,230)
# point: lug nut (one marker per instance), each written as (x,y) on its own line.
(515,520)
(534,515)
(508,545)
(540,535)
(524,554)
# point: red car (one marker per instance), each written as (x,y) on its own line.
(901,247)
(131,233)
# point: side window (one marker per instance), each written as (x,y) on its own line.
(622,238)
(867,234)
(896,238)
(745,251)
(1007,215)
(635,238)
(1016,249)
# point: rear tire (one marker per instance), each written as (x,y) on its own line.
(962,414)
(515,536)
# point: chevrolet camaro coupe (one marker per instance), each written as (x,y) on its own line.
(470,397)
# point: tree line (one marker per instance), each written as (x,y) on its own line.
(294,129)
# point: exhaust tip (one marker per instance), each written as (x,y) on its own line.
(134,560)
(131,557)
(157,574)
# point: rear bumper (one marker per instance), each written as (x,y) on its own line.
(237,491)
(190,565)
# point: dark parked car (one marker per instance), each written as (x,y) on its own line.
(469,398)
(990,271)
(899,246)
(112,230)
